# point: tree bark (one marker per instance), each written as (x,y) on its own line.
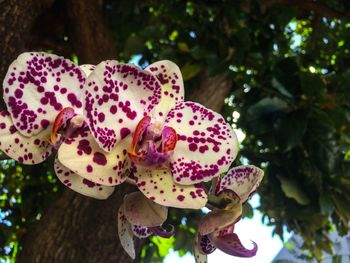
(211,91)
(91,40)
(16,19)
(77,229)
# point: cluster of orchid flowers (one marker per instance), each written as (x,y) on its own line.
(114,123)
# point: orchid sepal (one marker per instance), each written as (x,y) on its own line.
(240,181)
(139,210)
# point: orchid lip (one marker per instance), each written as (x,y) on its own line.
(231,244)
(66,123)
(152,146)
(161,232)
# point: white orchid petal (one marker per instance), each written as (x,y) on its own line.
(206,144)
(139,210)
(87,69)
(81,154)
(159,186)
(173,92)
(27,150)
(242,180)
(117,97)
(38,86)
(80,184)
(125,233)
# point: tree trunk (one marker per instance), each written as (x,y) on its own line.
(211,91)
(75,228)
(90,38)
(16,19)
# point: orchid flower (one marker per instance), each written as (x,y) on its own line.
(43,94)
(139,125)
(216,229)
(140,217)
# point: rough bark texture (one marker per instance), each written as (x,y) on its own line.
(211,91)
(90,38)
(77,229)
(16,19)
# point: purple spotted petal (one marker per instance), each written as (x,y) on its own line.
(38,86)
(241,180)
(159,186)
(199,255)
(87,69)
(117,97)
(125,233)
(206,144)
(27,150)
(231,244)
(169,75)
(80,184)
(161,232)
(81,154)
(206,245)
(139,210)
(141,231)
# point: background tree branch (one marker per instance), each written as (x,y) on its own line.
(16,20)
(315,6)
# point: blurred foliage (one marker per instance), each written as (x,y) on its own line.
(289,67)
(24,193)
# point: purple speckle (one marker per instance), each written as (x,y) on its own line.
(89,168)
(99,158)
(44,123)
(124,132)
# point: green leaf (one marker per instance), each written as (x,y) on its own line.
(247,211)
(267,106)
(337,259)
(292,129)
(312,84)
(286,72)
(342,204)
(326,204)
(163,244)
(279,86)
(134,45)
(189,71)
(198,52)
(183,47)
(292,190)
